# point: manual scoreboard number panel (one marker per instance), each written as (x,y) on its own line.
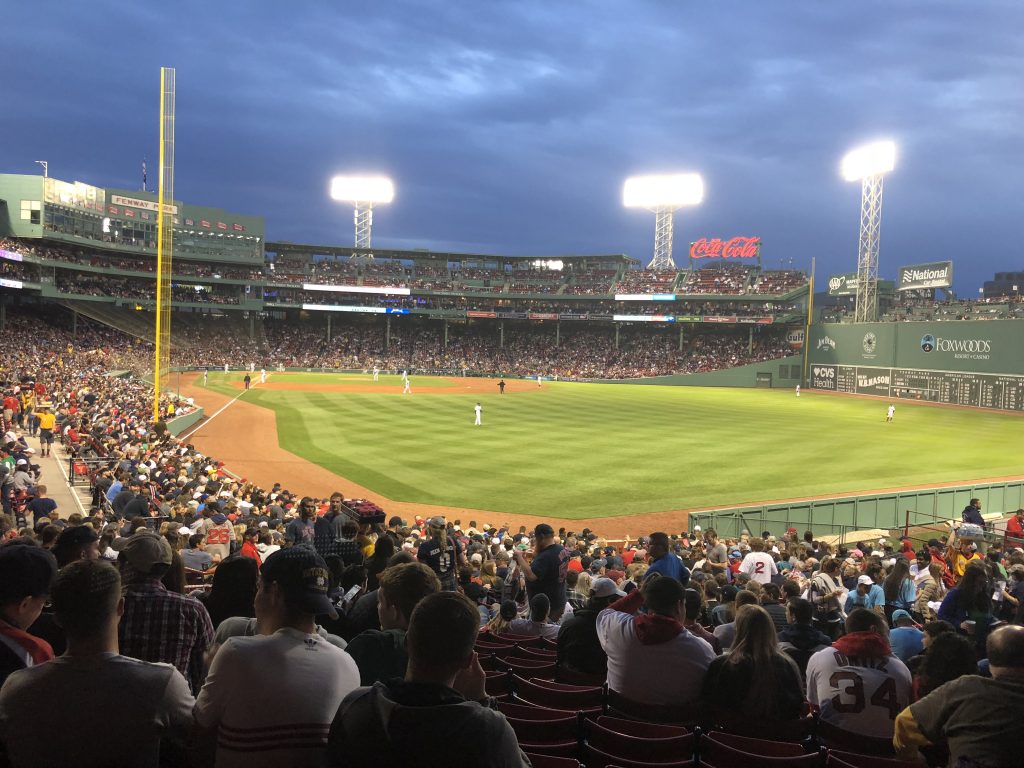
(983,390)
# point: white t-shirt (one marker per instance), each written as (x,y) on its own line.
(274,698)
(45,710)
(760,566)
(858,695)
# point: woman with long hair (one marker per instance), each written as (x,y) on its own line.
(508,612)
(442,553)
(383,549)
(754,682)
(900,590)
(234,590)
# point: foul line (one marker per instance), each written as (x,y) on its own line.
(221,410)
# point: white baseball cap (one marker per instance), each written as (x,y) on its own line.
(865,579)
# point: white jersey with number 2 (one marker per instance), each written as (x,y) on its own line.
(858,695)
(760,566)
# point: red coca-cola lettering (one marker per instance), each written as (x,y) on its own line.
(734,248)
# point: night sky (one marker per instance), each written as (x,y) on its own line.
(509,127)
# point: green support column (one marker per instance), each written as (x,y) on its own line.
(750,340)
(680,338)
(558,332)
(501,334)
(329,326)
(446,334)
(616,335)
(387,334)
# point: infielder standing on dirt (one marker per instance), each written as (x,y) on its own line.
(376,373)
(408,388)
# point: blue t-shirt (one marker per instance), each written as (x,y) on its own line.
(906,642)
(874,598)
(670,565)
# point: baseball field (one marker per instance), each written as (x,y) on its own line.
(575,451)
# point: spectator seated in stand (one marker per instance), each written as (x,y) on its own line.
(579,649)
(438,712)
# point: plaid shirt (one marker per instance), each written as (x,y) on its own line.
(576,599)
(163,626)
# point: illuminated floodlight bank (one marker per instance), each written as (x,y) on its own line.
(868,165)
(362,189)
(869,160)
(669,190)
(363,192)
(663,194)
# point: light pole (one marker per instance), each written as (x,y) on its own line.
(46,167)
(363,192)
(869,164)
(663,195)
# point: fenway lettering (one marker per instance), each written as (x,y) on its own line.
(734,248)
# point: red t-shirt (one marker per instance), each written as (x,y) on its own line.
(249,550)
(575,565)
(627,556)
(1014,527)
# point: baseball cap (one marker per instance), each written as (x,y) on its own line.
(615,575)
(605,587)
(856,553)
(395,521)
(436,522)
(735,553)
(476,558)
(901,614)
(26,570)
(865,579)
(543,529)
(143,551)
(20,462)
(303,577)
(219,518)
(598,564)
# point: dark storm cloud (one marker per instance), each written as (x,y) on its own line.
(509,128)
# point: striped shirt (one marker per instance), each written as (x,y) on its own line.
(272,698)
(163,626)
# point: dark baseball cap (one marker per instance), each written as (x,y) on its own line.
(303,577)
(26,570)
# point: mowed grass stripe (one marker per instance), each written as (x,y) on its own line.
(580,450)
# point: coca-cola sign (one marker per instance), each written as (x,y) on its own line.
(733,248)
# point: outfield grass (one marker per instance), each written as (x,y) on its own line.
(589,450)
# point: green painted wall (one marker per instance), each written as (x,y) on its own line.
(837,515)
(784,372)
(13,189)
(989,346)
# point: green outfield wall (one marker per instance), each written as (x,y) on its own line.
(784,372)
(961,362)
(840,514)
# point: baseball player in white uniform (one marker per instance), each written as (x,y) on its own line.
(405,375)
(408,387)
(376,373)
(798,390)
(477,409)
(206,375)
(263,375)
(889,413)
(225,367)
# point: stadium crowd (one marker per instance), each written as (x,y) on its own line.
(260,626)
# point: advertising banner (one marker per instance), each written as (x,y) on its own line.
(843,285)
(795,338)
(543,315)
(474,313)
(733,248)
(823,377)
(340,308)
(644,318)
(719,319)
(645,297)
(938,274)
(874,381)
(356,289)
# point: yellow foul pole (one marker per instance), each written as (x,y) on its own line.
(807,329)
(165,236)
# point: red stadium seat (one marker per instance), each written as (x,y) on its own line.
(527,711)
(756,746)
(526,641)
(834,737)
(545,731)
(550,761)
(596,758)
(578,678)
(636,728)
(837,759)
(524,667)
(620,706)
(719,755)
(534,654)
(546,694)
(496,683)
(636,747)
(549,642)
(497,651)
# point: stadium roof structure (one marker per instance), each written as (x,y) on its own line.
(281,247)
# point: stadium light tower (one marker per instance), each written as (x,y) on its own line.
(363,192)
(663,195)
(869,164)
